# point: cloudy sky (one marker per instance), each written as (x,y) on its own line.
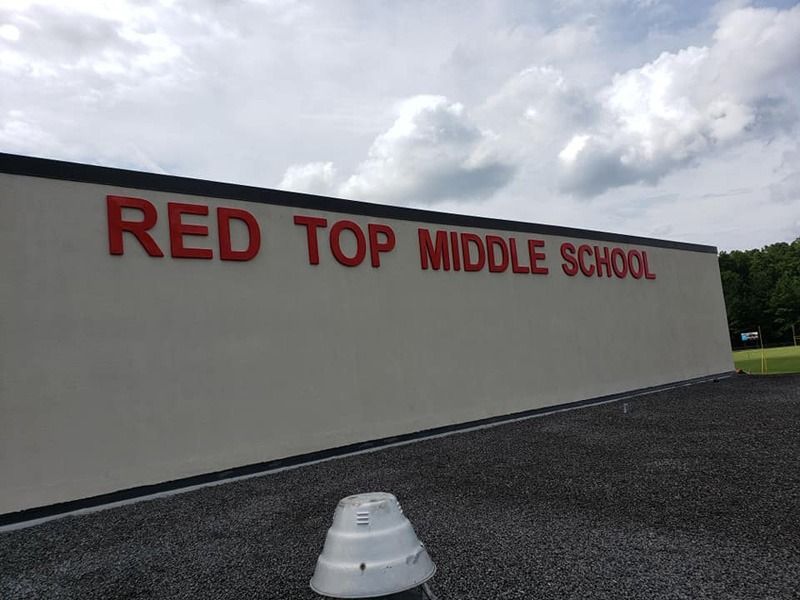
(667,119)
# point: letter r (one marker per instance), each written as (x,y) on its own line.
(139,229)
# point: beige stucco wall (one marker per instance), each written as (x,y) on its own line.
(120,371)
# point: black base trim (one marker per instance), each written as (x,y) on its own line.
(61,508)
(68,171)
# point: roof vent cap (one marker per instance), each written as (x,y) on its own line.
(371,550)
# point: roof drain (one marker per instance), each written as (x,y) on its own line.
(372,551)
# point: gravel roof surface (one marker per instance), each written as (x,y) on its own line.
(691,493)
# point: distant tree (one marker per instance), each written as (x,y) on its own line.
(762,289)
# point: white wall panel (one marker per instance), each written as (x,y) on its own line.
(121,371)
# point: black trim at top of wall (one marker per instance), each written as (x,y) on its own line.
(68,171)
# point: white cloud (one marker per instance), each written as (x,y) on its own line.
(676,122)
(787,190)
(525,118)
(311,178)
(9,32)
(432,152)
(541,98)
(680,107)
(573,148)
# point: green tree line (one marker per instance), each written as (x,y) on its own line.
(762,289)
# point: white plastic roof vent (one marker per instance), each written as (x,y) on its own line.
(371,550)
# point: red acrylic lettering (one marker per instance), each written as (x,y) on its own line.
(437,254)
(336,247)
(311,224)
(570,264)
(535,257)
(117,225)
(376,246)
(178,229)
(496,242)
(226,251)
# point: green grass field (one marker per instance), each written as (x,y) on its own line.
(779,360)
